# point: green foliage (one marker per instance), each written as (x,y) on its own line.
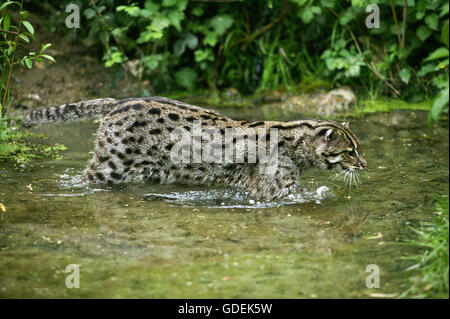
(433,264)
(12,36)
(441,77)
(263,44)
(15,33)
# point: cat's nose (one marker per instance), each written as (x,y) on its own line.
(363,163)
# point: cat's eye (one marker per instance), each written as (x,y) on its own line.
(352,153)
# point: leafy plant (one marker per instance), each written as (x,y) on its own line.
(13,36)
(441,77)
(433,264)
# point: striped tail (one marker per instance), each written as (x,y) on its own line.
(70,112)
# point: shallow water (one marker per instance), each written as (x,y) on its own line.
(203,242)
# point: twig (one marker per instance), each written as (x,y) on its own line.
(10,32)
(405,13)
(396,23)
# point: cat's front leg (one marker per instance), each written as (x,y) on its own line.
(276,182)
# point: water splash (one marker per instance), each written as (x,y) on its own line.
(220,198)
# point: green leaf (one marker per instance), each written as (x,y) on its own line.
(197,11)
(350,14)
(221,23)
(146,14)
(182,4)
(160,22)
(191,41)
(114,58)
(175,17)
(6,22)
(204,55)
(306,15)
(149,35)
(300,2)
(443,64)
(210,39)
(24,38)
(89,13)
(28,26)
(24,14)
(169,3)
(444,34)
(327,3)
(423,32)
(358,3)
(151,7)
(438,54)
(132,10)
(45,46)
(186,78)
(8,3)
(427,68)
(439,102)
(405,75)
(118,32)
(28,63)
(48,57)
(179,47)
(151,62)
(444,10)
(432,21)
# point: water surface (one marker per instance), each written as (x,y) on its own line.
(214,243)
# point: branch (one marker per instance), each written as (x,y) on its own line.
(396,23)
(405,13)
(10,32)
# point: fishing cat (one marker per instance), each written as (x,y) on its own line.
(136,138)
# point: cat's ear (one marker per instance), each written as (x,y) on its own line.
(346,124)
(326,134)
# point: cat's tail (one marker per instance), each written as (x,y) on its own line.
(70,112)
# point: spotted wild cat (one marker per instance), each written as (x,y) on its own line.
(133,140)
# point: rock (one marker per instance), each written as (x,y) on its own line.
(336,101)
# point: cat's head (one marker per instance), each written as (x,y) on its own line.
(337,147)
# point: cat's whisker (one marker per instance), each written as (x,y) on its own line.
(351,179)
(336,176)
(357,178)
(346,177)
